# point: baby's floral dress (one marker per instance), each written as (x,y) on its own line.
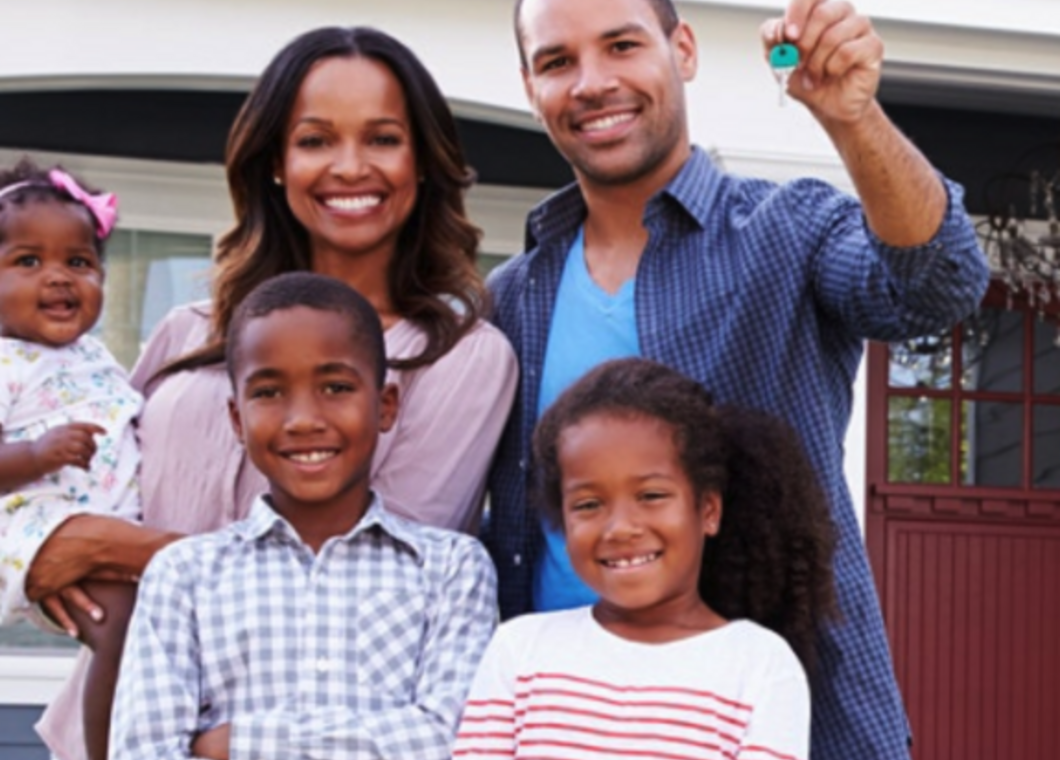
(41,388)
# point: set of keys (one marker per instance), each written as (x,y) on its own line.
(783,59)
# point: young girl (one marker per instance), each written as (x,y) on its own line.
(705,535)
(66,408)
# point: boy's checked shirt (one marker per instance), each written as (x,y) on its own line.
(365,650)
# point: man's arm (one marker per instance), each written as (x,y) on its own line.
(157,704)
(461,623)
(841,57)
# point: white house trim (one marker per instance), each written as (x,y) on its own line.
(28,678)
(1023,16)
(158,196)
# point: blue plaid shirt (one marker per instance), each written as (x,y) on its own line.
(765,294)
(364,650)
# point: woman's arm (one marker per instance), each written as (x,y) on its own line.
(50,544)
(92,546)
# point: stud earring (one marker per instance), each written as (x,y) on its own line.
(276,180)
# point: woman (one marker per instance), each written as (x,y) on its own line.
(345,161)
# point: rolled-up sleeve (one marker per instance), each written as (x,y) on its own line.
(882,292)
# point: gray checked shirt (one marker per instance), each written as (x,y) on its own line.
(364,650)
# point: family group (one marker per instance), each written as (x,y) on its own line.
(270,534)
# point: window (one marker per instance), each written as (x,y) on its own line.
(148,273)
(978,406)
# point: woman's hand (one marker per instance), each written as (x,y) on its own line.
(92,546)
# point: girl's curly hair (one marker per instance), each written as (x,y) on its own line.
(40,189)
(771,561)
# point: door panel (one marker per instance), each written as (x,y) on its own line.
(974,624)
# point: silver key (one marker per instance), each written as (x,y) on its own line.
(783,59)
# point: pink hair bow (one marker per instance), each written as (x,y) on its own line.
(104,207)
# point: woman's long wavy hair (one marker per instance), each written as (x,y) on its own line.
(771,561)
(432,278)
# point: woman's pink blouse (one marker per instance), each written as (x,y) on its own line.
(431,466)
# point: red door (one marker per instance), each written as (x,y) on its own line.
(963,527)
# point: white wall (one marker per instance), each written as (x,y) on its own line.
(1025,16)
(217,41)
(468,44)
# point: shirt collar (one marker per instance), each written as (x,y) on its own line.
(558,215)
(263,521)
(694,188)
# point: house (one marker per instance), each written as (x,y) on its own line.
(954,450)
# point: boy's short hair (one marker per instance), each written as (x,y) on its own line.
(313,291)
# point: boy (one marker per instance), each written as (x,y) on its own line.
(322,625)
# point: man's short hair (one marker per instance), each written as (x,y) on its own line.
(664,10)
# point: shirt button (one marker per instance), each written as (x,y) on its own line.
(517,560)
(323,665)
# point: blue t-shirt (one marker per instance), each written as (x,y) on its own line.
(589,326)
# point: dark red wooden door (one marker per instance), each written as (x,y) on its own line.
(963,526)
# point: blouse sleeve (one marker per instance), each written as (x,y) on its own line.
(451,415)
(168,340)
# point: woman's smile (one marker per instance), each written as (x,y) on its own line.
(349,162)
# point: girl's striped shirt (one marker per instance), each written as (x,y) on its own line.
(558,685)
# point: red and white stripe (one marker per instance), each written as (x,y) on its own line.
(556,715)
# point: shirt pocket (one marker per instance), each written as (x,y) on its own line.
(389,630)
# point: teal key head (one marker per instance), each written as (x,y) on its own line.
(784,56)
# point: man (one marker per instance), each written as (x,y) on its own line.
(763,293)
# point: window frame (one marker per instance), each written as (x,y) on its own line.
(880,393)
